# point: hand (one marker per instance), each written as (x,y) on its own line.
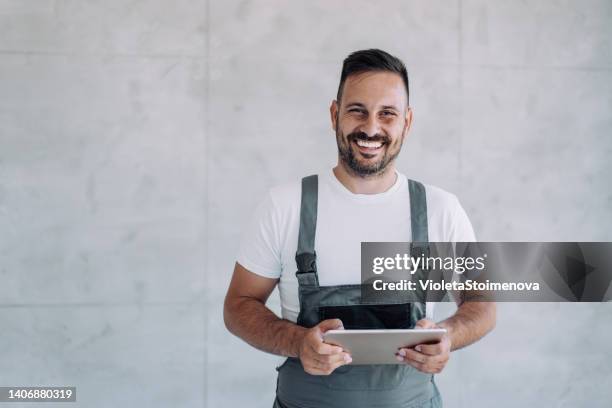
(317,357)
(428,358)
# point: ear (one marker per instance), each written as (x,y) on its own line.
(333,111)
(408,122)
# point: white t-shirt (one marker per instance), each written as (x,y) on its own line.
(344,220)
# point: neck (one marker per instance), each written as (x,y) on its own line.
(375,184)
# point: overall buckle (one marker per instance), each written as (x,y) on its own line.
(306,262)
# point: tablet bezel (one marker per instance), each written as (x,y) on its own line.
(379,346)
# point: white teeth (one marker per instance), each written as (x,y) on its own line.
(363,143)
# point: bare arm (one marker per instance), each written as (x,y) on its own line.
(247,316)
(472,321)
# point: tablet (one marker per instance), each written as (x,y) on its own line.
(380,346)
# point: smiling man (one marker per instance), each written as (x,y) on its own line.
(316,226)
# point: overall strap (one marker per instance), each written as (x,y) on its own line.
(418,217)
(305,256)
(420,242)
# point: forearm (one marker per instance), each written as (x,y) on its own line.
(252,321)
(472,321)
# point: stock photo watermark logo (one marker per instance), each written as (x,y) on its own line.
(503,271)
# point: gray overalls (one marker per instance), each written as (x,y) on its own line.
(355,386)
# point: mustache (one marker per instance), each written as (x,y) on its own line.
(364,136)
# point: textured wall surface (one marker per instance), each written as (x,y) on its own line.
(137,136)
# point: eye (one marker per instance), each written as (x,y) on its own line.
(387,113)
(356,110)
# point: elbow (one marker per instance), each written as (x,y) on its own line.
(492,316)
(228,314)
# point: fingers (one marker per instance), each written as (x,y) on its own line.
(344,359)
(410,354)
(325,365)
(423,362)
(325,348)
(430,349)
(319,358)
(330,324)
(428,358)
(323,361)
(327,353)
(425,324)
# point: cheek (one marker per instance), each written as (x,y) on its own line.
(349,123)
(395,132)
(346,131)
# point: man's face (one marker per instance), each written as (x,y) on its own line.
(371,121)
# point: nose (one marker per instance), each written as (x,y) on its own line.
(371,127)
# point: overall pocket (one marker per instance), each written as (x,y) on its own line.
(370,377)
(369,316)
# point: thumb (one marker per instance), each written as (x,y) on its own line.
(330,324)
(425,324)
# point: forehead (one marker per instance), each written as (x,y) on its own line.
(374,88)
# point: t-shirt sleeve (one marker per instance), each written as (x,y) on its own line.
(461,231)
(461,228)
(260,243)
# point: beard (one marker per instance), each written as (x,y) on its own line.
(357,162)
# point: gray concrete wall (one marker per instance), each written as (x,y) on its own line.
(136,137)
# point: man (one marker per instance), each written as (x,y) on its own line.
(316,227)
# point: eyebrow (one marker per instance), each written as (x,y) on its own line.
(355,104)
(390,107)
(361,105)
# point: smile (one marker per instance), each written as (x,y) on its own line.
(368,144)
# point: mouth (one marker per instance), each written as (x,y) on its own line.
(368,148)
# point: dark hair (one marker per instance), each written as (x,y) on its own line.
(372,60)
